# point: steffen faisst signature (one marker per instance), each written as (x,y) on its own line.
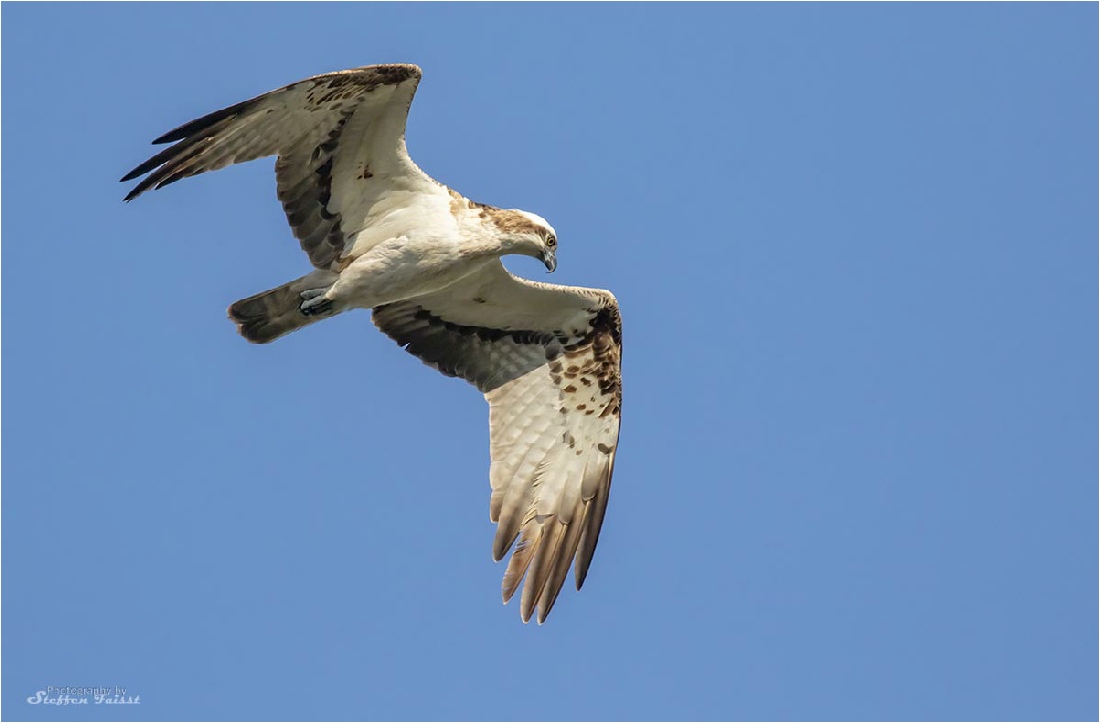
(77,695)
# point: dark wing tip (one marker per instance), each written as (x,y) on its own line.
(146,184)
(187,137)
(177,134)
(138,189)
(204,123)
(160,179)
(134,173)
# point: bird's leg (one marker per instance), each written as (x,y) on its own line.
(314,302)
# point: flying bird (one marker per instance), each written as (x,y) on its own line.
(383,235)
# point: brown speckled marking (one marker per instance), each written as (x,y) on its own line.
(607,349)
(345,86)
(458,203)
(592,358)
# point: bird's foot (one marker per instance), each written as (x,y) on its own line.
(314,302)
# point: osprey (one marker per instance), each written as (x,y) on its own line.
(383,235)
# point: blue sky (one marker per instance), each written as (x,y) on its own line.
(855,248)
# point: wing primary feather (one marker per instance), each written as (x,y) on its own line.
(517,566)
(593,519)
(557,575)
(517,501)
(207,121)
(165,156)
(167,170)
(552,537)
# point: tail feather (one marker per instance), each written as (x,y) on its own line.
(265,317)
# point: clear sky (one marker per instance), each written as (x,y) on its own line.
(855,248)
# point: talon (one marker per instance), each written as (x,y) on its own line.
(316,305)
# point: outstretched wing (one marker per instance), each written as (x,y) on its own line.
(547,358)
(340,139)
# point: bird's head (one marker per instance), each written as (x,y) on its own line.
(527,234)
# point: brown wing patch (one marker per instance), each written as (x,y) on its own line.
(305,190)
(342,86)
(607,343)
(483,356)
(592,362)
(459,204)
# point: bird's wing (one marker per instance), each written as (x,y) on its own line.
(547,359)
(340,139)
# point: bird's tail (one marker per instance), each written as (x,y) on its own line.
(266,316)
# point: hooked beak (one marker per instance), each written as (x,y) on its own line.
(550,259)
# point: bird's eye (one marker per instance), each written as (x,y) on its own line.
(551,241)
